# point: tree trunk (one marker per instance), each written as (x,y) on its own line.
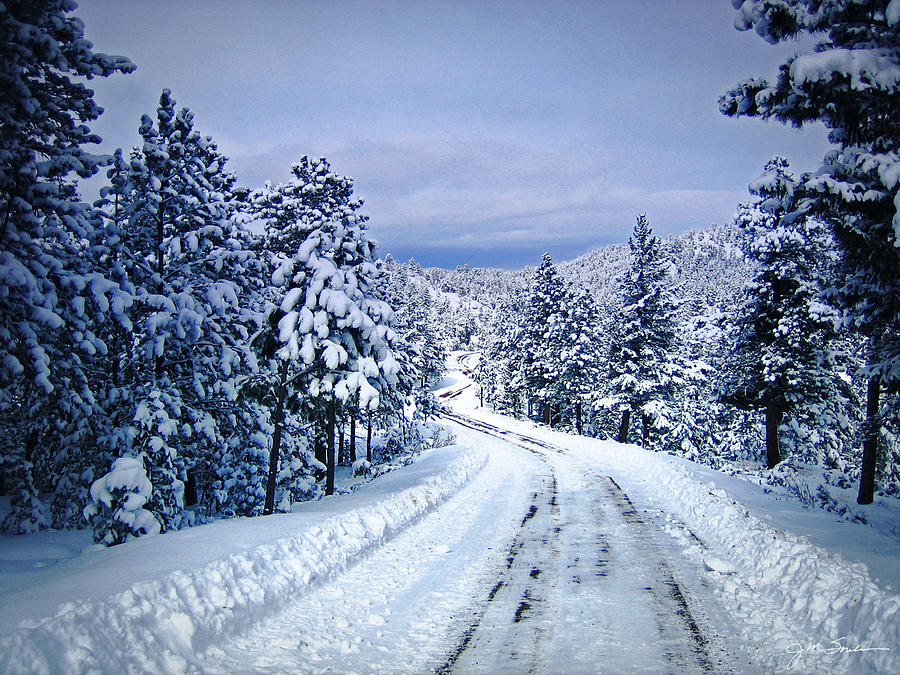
(160,287)
(870,444)
(774,414)
(329,440)
(319,442)
(369,439)
(278,423)
(623,427)
(352,439)
(547,419)
(645,429)
(578,428)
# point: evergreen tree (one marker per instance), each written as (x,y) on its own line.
(575,332)
(783,361)
(334,325)
(645,372)
(176,403)
(848,83)
(331,336)
(543,336)
(51,298)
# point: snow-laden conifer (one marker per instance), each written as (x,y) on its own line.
(51,297)
(645,369)
(784,361)
(175,399)
(849,83)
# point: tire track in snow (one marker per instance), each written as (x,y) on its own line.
(683,642)
(673,596)
(393,610)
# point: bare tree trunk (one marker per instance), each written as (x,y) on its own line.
(547,419)
(578,418)
(342,456)
(352,438)
(774,414)
(623,426)
(278,423)
(369,439)
(870,444)
(160,261)
(329,440)
(645,429)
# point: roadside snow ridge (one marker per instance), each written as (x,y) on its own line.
(160,625)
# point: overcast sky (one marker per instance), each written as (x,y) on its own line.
(478,132)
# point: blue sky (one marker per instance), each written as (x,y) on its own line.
(476,132)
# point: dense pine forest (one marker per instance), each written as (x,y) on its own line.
(188,348)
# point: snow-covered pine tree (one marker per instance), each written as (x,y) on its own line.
(177,403)
(645,371)
(500,372)
(51,298)
(850,84)
(333,324)
(542,340)
(333,340)
(575,331)
(783,362)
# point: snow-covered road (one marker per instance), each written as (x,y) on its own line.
(539,564)
(519,550)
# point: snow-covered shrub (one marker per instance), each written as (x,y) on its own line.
(116,512)
(438,435)
(28,514)
(297,473)
(362,467)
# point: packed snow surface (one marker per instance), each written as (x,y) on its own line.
(520,549)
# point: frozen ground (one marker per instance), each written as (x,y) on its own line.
(518,550)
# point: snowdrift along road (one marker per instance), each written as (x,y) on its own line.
(521,549)
(163,624)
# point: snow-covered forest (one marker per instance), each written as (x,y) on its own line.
(672,344)
(187,350)
(184,348)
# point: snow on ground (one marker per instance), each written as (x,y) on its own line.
(798,582)
(150,605)
(435,564)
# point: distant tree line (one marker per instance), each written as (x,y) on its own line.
(820,312)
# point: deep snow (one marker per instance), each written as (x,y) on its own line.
(388,578)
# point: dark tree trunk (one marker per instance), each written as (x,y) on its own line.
(342,455)
(278,423)
(623,427)
(352,439)
(870,444)
(547,418)
(329,440)
(160,231)
(369,439)
(321,449)
(578,418)
(774,414)
(645,429)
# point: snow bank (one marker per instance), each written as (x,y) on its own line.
(801,607)
(160,625)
